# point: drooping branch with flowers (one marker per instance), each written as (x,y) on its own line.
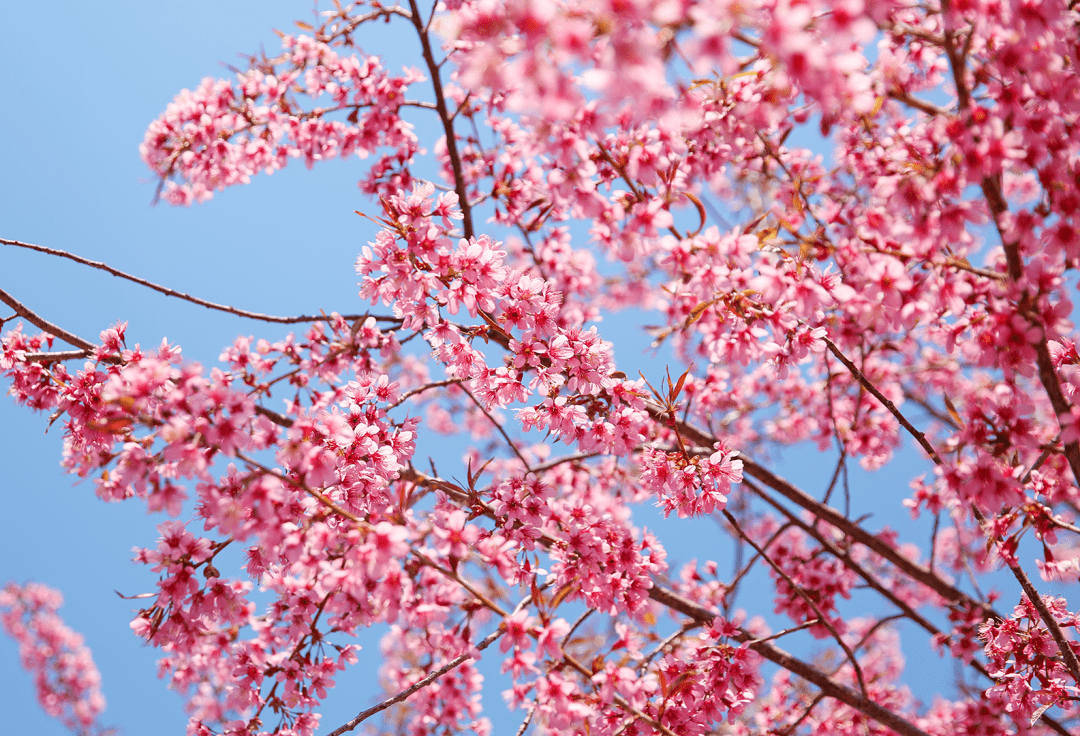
(854,226)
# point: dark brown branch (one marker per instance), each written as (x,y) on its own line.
(57,356)
(674,601)
(845,558)
(901,95)
(889,405)
(1067,653)
(995,199)
(279,419)
(499,428)
(830,515)
(430,678)
(811,674)
(447,120)
(419,685)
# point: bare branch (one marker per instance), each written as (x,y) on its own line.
(430,678)
(33,318)
(181,295)
(889,405)
(822,619)
(446,118)
(57,356)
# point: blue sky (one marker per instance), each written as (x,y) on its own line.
(82,83)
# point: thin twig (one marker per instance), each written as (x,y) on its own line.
(1067,653)
(317,495)
(421,389)
(430,678)
(674,601)
(844,557)
(822,619)
(806,671)
(462,582)
(181,295)
(889,405)
(499,428)
(528,719)
(620,700)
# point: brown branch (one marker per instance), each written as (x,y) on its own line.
(901,95)
(669,598)
(179,294)
(811,674)
(451,575)
(889,405)
(317,495)
(430,678)
(40,322)
(1067,653)
(1069,656)
(421,389)
(1047,375)
(845,558)
(995,199)
(618,699)
(822,619)
(830,515)
(499,428)
(447,121)
(279,419)
(57,356)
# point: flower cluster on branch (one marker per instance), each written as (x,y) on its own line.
(600,159)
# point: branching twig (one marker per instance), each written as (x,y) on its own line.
(704,616)
(317,495)
(889,405)
(822,619)
(447,120)
(430,678)
(499,428)
(808,672)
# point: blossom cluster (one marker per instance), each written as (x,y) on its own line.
(67,680)
(600,160)
(221,133)
(1029,672)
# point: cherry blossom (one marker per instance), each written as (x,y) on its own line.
(846,228)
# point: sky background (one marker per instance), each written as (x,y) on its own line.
(83,82)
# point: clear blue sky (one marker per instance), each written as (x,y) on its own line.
(83,81)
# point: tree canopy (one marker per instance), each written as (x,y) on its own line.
(847,226)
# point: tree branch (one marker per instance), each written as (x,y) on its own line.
(811,674)
(822,619)
(179,294)
(30,316)
(702,615)
(447,121)
(430,678)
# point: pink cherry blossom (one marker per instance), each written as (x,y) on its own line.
(846,228)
